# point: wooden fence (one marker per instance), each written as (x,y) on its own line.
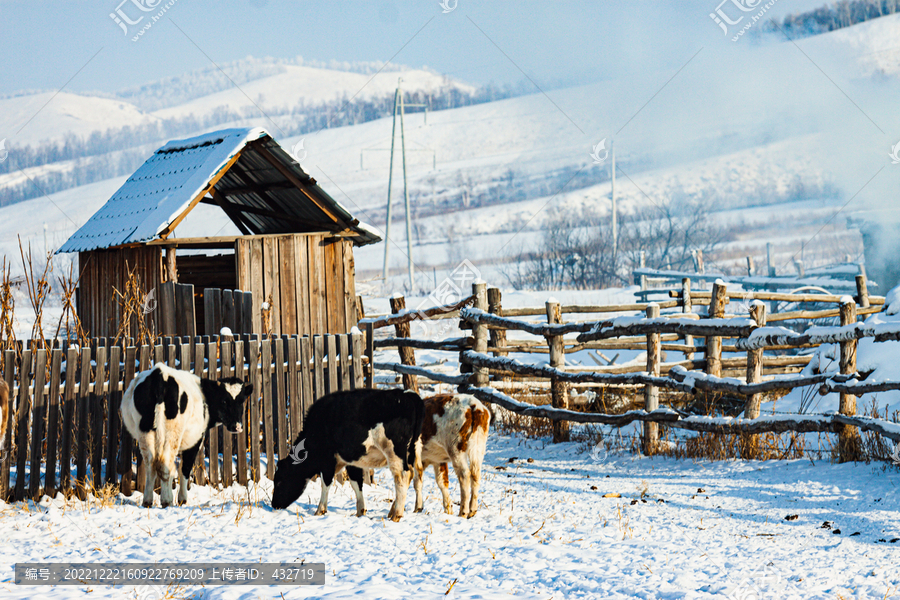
(761,358)
(66,433)
(842,277)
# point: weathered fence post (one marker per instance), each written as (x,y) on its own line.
(751,268)
(848,436)
(750,446)
(360,309)
(497,336)
(407,355)
(687,307)
(370,355)
(714,343)
(651,392)
(559,393)
(480,334)
(171,266)
(862,291)
(770,267)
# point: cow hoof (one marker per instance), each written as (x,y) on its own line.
(147,503)
(418,510)
(470,515)
(396,518)
(361,513)
(320,512)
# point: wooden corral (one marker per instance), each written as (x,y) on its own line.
(490,373)
(294,253)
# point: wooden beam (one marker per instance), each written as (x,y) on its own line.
(219,200)
(209,185)
(223,241)
(263,212)
(270,158)
(259,189)
(254,189)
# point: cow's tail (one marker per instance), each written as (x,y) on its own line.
(416,432)
(159,429)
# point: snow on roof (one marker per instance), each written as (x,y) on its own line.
(165,186)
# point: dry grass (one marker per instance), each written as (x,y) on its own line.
(68,320)
(37,284)
(697,446)
(134,306)
(266,310)
(7,308)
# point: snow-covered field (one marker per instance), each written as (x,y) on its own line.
(680,529)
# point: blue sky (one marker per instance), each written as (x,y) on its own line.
(44,44)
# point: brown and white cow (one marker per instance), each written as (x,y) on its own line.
(168,411)
(454,430)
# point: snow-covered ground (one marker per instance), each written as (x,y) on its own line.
(544,529)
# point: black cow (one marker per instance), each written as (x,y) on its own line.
(167,411)
(359,429)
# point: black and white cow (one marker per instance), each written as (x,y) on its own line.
(168,411)
(359,429)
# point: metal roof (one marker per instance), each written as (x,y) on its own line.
(246,173)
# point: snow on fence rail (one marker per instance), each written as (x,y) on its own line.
(66,419)
(485,353)
(679,420)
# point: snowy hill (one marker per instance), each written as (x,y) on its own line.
(33,118)
(289,85)
(310,86)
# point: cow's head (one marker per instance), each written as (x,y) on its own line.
(229,410)
(292,476)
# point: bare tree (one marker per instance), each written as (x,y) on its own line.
(668,232)
(576,250)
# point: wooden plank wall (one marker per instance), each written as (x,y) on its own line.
(227,308)
(176,309)
(101,271)
(66,433)
(310,278)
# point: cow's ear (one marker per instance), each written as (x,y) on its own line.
(248,389)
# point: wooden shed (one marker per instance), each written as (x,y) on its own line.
(294,248)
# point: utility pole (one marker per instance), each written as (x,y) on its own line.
(615,214)
(412,288)
(387,225)
(399,108)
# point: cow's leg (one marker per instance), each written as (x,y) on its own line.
(442,476)
(146,446)
(166,466)
(327,479)
(188,458)
(418,474)
(475,474)
(461,467)
(401,485)
(356,482)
